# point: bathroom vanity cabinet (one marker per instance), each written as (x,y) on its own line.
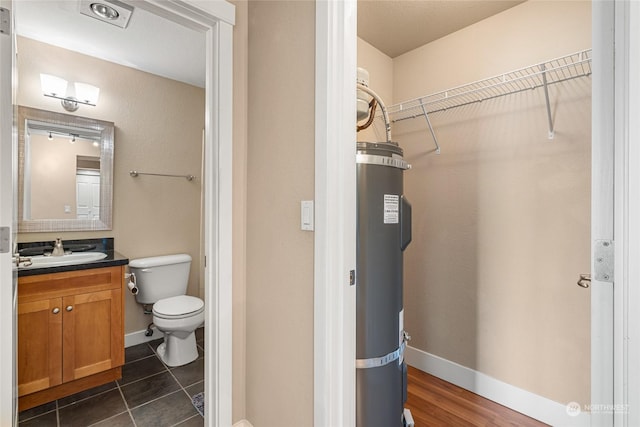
(70,333)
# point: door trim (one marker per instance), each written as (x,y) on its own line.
(632,320)
(623,46)
(8,281)
(335,214)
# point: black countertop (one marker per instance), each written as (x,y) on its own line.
(104,245)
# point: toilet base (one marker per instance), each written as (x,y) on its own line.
(178,348)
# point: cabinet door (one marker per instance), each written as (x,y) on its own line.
(93,333)
(39,345)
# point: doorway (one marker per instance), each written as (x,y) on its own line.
(87,194)
(606,370)
(215,22)
(474,238)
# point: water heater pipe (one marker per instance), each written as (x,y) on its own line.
(372,110)
(387,123)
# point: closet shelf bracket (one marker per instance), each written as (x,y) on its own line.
(546,98)
(433,135)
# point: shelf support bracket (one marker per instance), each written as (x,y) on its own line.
(546,96)
(433,135)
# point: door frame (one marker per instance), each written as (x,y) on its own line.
(8,280)
(216,20)
(632,284)
(620,21)
(335,214)
(615,337)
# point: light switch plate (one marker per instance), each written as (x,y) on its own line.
(306,215)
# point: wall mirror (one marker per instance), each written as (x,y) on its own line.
(65,172)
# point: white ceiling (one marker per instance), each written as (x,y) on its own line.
(149,43)
(159,46)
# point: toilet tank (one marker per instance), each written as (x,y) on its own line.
(160,277)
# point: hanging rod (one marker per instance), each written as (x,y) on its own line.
(535,76)
(136,173)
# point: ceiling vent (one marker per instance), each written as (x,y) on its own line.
(112,12)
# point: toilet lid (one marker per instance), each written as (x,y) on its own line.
(179,306)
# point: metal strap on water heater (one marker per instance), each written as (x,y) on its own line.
(376,362)
(371,159)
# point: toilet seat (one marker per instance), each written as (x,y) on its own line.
(178,307)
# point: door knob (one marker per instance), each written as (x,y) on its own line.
(585,280)
(55,310)
(69,307)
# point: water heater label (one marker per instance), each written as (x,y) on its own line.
(391,208)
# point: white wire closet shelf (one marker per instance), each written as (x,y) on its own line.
(532,77)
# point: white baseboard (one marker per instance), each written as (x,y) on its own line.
(242,423)
(139,337)
(525,402)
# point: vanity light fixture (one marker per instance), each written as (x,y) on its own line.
(56,87)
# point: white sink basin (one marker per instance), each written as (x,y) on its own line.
(41,261)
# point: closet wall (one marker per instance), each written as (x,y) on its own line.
(501,225)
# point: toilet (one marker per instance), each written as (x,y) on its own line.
(162,281)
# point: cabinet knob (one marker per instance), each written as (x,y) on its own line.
(55,310)
(69,307)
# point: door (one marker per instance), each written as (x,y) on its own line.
(8,282)
(87,195)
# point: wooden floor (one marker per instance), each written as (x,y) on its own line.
(434,402)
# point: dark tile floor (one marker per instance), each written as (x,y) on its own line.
(149,394)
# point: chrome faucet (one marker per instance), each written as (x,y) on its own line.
(58,250)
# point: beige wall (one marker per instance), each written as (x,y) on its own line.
(280,165)
(502,217)
(159,125)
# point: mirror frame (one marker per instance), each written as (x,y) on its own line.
(106,130)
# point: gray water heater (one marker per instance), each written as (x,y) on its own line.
(384,231)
